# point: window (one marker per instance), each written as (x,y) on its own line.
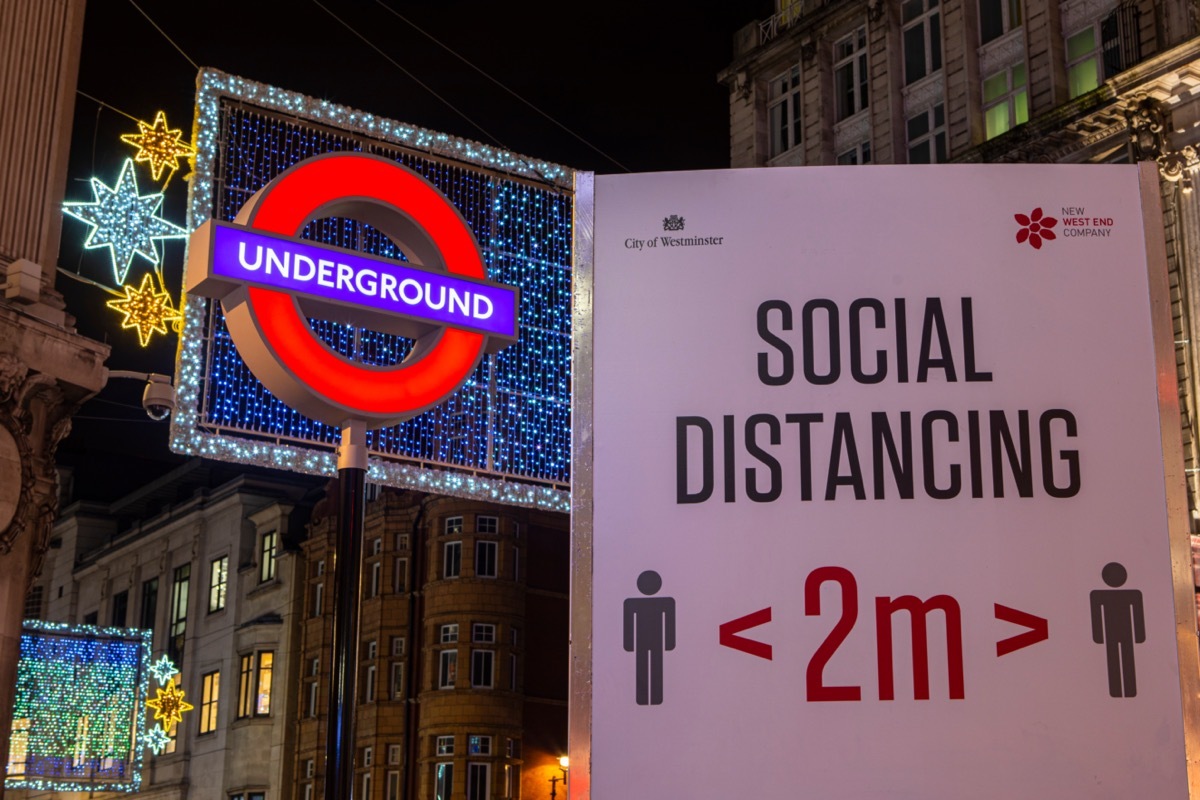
(1005,100)
(512,672)
(927,136)
(447,669)
(783,112)
(397,645)
(314,667)
(366,786)
(448,633)
(372,649)
(312,698)
(485,559)
(377,545)
(1084,60)
(369,685)
(484,524)
(307,792)
(210,694)
(512,779)
(318,603)
(120,609)
(443,780)
(320,567)
(401,541)
(393,754)
(397,680)
(266,557)
(400,575)
(479,745)
(376,577)
(149,603)
(393,785)
(481,668)
(483,632)
(859,154)
(254,690)
(516,551)
(310,768)
(453,525)
(479,781)
(922,38)
(453,560)
(850,74)
(368,758)
(33,605)
(179,609)
(218,574)
(997,17)
(512,748)
(445,745)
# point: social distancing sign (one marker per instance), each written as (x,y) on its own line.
(885,492)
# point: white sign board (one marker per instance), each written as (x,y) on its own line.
(879,503)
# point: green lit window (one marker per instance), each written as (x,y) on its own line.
(1083,61)
(1005,100)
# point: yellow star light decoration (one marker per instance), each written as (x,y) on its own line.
(169,705)
(159,145)
(146,309)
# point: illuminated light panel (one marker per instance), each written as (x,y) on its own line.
(124,221)
(505,435)
(159,146)
(78,708)
(146,309)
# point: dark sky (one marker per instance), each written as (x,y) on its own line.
(635,80)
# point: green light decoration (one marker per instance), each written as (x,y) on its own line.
(125,222)
(77,716)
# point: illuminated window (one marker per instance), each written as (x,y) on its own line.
(1005,100)
(927,136)
(783,112)
(210,694)
(922,38)
(479,745)
(850,74)
(997,17)
(1084,60)
(254,689)
(447,669)
(485,559)
(443,780)
(218,573)
(266,556)
(453,526)
(452,564)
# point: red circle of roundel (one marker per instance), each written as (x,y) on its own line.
(286,207)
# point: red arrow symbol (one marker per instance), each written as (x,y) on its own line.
(1039,629)
(730,630)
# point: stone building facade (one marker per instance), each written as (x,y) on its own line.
(208,559)
(825,82)
(463,664)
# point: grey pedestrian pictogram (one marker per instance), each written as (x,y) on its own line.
(649,631)
(1118,623)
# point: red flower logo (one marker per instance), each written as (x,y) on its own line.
(1035,228)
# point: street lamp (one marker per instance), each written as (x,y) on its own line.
(564,764)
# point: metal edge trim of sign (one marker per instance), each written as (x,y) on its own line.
(579,707)
(1173,471)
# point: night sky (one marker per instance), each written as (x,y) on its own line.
(637,81)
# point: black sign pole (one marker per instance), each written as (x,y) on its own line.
(347,589)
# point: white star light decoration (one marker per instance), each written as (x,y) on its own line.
(157,739)
(124,221)
(163,670)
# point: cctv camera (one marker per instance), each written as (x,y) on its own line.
(158,399)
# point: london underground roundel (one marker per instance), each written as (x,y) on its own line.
(269,281)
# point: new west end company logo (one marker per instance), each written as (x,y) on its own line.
(1037,227)
(673,223)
